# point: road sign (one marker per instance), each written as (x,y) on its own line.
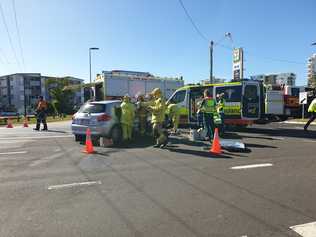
(303,98)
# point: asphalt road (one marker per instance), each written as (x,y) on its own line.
(48,187)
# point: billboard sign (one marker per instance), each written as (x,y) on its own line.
(238,66)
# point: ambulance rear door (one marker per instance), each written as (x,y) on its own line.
(251,100)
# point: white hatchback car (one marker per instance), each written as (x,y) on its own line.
(103,119)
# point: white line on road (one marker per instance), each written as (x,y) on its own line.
(305,230)
(37,137)
(51,158)
(13,141)
(278,138)
(251,166)
(46,159)
(306,140)
(13,153)
(54,187)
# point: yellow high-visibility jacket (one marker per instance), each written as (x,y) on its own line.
(312,106)
(128,113)
(158,111)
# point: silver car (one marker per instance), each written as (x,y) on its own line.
(102,117)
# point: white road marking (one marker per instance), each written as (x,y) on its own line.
(13,142)
(305,230)
(278,138)
(13,153)
(46,159)
(297,122)
(251,166)
(51,157)
(37,137)
(306,140)
(54,187)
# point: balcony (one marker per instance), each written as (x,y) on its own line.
(35,83)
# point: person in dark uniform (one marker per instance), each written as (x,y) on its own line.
(41,115)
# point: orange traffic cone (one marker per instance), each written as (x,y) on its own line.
(25,124)
(216,146)
(9,123)
(89,146)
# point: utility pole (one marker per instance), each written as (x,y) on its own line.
(211,61)
(24,97)
(90,66)
(227,35)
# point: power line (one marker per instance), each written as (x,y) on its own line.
(193,23)
(1,60)
(231,48)
(264,58)
(9,36)
(18,33)
(4,56)
(277,60)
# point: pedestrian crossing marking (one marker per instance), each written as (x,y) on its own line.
(305,230)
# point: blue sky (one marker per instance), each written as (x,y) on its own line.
(156,36)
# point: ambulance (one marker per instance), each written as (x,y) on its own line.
(244,101)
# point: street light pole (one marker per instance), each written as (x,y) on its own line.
(90,64)
(211,61)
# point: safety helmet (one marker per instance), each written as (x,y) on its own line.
(126,98)
(156,91)
(141,98)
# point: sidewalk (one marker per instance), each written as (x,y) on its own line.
(32,121)
(64,125)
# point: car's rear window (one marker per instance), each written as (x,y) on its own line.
(93,108)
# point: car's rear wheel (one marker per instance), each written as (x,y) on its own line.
(116,135)
(79,138)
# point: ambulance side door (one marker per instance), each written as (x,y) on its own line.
(232,95)
(195,97)
(251,100)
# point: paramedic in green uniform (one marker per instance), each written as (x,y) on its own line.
(208,107)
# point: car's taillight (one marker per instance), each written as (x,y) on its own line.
(103,117)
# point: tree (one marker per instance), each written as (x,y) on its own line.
(62,96)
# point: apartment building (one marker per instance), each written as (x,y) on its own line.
(287,79)
(19,92)
(311,71)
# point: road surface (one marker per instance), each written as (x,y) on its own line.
(48,187)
